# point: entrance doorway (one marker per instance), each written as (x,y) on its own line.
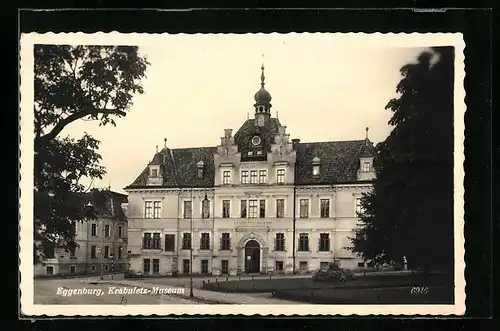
(252,257)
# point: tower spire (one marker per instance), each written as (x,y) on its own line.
(366,129)
(262,76)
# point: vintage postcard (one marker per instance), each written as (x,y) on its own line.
(219,174)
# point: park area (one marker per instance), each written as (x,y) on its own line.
(388,288)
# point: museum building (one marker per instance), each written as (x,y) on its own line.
(259,202)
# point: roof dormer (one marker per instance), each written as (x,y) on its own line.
(155,176)
(366,170)
(316,166)
(200,166)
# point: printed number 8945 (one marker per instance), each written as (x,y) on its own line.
(419,290)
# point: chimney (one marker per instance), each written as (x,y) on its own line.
(295,141)
(228,133)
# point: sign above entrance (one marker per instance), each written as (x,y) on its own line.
(252,223)
(252,229)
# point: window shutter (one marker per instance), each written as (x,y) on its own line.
(275,244)
(283,244)
(229,243)
(221,243)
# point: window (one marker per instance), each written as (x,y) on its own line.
(262,176)
(204,266)
(226,208)
(72,251)
(366,167)
(359,207)
(316,170)
(154,172)
(279,244)
(106,267)
(72,269)
(244,177)
(148,209)
(186,266)
(325,208)
(281,149)
(224,267)
(157,209)
(146,265)
(252,208)
(280,208)
(323,265)
(187,209)
(93,252)
(106,231)
(156,266)
(49,270)
(253,177)
(106,252)
(92,268)
(279,266)
(243,209)
(205,241)
(93,230)
(304,208)
(226,177)
(156,241)
(120,232)
(324,242)
(186,240)
(280,176)
(262,208)
(120,249)
(225,243)
(205,209)
(361,264)
(147,241)
(303,242)
(303,266)
(169,242)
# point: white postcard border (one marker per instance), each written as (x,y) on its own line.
(28,308)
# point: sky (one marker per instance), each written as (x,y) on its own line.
(199,85)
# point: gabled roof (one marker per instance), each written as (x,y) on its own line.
(179,168)
(107,203)
(339,161)
(249,129)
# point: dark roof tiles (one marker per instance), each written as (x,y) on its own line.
(339,160)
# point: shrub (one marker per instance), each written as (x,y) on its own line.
(333,273)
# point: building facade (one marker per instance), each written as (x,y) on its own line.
(259,202)
(101,243)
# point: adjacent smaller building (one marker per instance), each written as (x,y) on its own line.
(101,243)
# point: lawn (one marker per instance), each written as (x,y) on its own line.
(385,295)
(307,284)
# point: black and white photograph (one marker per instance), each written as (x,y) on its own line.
(295,174)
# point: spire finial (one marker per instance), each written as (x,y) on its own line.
(262,77)
(165,142)
(277,115)
(156,148)
(248,116)
(366,129)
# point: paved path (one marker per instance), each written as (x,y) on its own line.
(212,296)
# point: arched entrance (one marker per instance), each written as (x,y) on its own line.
(252,257)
